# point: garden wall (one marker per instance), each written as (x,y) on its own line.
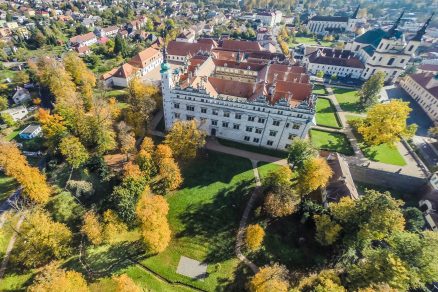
(395,181)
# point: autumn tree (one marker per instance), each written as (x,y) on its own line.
(74,152)
(142,102)
(314,174)
(33,182)
(113,226)
(21,78)
(3,103)
(169,174)
(82,77)
(270,278)
(152,212)
(299,151)
(123,283)
(53,278)
(126,139)
(184,138)
(92,228)
(145,157)
(53,126)
(41,240)
(370,91)
(254,236)
(386,123)
(324,281)
(327,231)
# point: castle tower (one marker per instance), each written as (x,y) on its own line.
(166,87)
(353,20)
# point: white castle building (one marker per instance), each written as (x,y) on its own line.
(263,104)
(333,24)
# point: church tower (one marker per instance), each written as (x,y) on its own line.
(415,42)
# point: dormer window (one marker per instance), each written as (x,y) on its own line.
(410,48)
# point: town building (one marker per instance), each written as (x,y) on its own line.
(423,87)
(17,113)
(386,51)
(109,31)
(21,95)
(333,24)
(263,103)
(81,40)
(30,132)
(342,63)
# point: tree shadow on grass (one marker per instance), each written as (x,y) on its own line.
(338,143)
(239,280)
(106,260)
(211,167)
(215,223)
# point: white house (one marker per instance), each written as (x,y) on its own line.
(109,31)
(30,132)
(21,95)
(17,113)
(266,18)
(87,39)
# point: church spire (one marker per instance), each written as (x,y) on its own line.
(422,30)
(354,16)
(396,23)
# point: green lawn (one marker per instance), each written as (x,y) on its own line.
(309,41)
(264,168)
(347,99)
(331,141)
(251,148)
(204,217)
(326,114)
(7,186)
(383,153)
(319,89)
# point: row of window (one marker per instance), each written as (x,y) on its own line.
(237,116)
(257,140)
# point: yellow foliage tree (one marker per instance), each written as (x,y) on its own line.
(270,278)
(53,278)
(53,127)
(125,284)
(152,212)
(32,181)
(41,240)
(113,226)
(92,228)
(254,236)
(324,281)
(314,174)
(327,231)
(386,123)
(161,152)
(170,174)
(184,138)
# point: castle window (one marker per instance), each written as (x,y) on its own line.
(251,119)
(296,126)
(215,112)
(249,129)
(261,120)
(269,143)
(213,122)
(258,130)
(246,138)
(189,118)
(176,105)
(177,115)
(238,116)
(256,140)
(276,123)
(272,133)
(226,114)
(203,110)
(236,126)
(190,108)
(225,124)
(291,136)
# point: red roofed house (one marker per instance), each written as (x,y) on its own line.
(120,77)
(181,52)
(147,60)
(87,39)
(423,87)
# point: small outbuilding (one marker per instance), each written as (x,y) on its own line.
(30,132)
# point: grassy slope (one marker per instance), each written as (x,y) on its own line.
(331,141)
(204,216)
(325,114)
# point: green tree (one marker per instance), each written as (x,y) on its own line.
(3,103)
(7,119)
(120,46)
(414,219)
(299,151)
(370,91)
(327,231)
(74,152)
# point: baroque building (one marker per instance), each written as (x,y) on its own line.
(333,24)
(239,97)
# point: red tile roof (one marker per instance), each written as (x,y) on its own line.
(141,59)
(187,49)
(244,46)
(83,37)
